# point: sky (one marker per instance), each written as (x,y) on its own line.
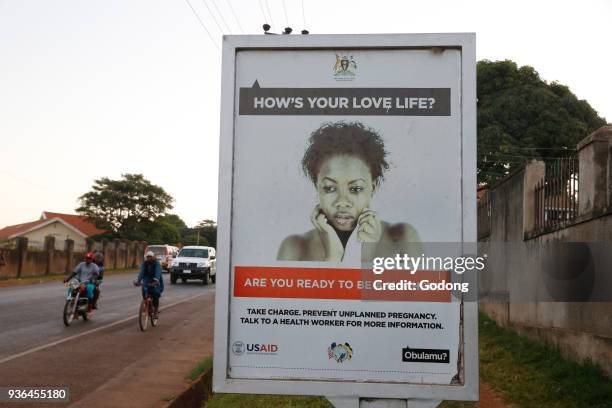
(99,88)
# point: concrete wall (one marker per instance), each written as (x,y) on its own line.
(24,261)
(9,261)
(516,282)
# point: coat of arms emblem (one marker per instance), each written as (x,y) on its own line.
(345,66)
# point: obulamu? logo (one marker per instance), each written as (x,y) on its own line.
(345,68)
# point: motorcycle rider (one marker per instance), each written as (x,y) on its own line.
(98,260)
(151,271)
(87,272)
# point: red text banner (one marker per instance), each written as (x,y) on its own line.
(340,283)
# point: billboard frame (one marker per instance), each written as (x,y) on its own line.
(465,42)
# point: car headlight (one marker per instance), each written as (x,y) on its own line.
(202,264)
(74,283)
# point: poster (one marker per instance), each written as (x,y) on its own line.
(341,158)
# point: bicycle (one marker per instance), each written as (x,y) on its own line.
(146,311)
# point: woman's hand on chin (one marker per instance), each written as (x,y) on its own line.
(334,251)
(369,228)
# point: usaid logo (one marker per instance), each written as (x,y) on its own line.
(239,348)
(261,348)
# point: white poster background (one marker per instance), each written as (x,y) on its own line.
(273,199)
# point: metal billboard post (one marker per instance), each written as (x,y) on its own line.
(381,403)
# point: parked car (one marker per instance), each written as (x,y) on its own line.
(164,254)
(194,262)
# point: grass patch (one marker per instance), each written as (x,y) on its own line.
(457,404)
(199,368)
(528,373)
(168,398)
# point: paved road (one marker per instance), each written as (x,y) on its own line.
(31,316)
(107,358)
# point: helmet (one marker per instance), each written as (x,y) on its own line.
(99,256)
(89,255)
(149,253)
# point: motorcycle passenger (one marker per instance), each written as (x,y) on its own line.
(150,271)
(86,272)
(98,260)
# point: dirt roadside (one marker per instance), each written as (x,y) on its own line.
(122,366)
(489,398)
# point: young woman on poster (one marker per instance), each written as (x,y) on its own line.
(346,161)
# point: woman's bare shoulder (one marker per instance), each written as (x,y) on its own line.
(400,232)
(296,247)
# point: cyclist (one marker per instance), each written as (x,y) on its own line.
(98,260)
(87,272)
(151,273)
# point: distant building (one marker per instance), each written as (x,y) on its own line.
(60,226)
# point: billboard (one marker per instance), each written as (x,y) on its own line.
(340,154)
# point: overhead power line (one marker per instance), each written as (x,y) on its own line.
(229,30)
(229,3)
(203,26)
(213,17)
(268,8)
(286,16)
(263,12)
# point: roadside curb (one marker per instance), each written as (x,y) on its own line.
(199,391)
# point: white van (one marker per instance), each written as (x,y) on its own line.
(194,262)
(163,253)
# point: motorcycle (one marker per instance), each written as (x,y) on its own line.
(77,303)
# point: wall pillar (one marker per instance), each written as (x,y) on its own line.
(593,172)
(89,245)
(129,253)
(116,244)
(125,244)
(608,129)
(22,250)
(50,252)
(105,248)
(141,251)
(69,251)
(534,172)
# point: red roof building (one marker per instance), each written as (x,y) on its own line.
(60,226)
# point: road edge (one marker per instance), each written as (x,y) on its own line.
(198,391)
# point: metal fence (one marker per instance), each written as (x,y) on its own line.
(556,196)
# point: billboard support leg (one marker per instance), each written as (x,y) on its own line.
(354,402)
(423,403)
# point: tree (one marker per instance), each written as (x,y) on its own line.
(208,230)
(520,117)
(130,208)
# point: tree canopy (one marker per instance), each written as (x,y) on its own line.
(521,116)
(130,208)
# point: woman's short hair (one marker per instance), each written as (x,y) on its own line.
(345,138)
